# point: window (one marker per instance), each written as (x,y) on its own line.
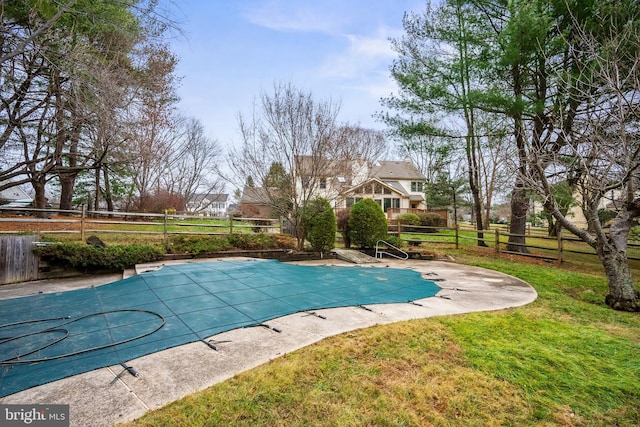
(377,188)
(393,203)
(386,190)
(417,186)
(352,200)
(323,183)
(305,181)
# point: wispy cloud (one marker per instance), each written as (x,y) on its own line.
(279,15)
(361,54)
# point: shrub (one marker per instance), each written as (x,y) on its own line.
(197,245)
(251,242)
(409,222)
(395,241)
(320,225)
(409,219)
(116,257)
(159,202)
(431,219)
(203,245)
(260,224)
(367,223)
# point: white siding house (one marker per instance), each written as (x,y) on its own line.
(398,186)
(209,204)
(14,194)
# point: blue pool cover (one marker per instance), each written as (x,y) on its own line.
(47,337)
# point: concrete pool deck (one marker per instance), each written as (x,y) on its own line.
(108,396)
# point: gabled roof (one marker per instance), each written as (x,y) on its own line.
(397,170)
(254,195)
(14,193)
(392,185)
(396,186)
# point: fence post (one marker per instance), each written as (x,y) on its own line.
(398,221)
(560,247)
(457,228)
(82,225)
(166,218)
(230,224)
(497,241)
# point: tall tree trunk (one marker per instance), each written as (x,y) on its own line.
(474,179)
(67,184)
(622,292)
(613,255)
(518,224)
(96,186)
(108,197)
(519,197)
(554,227)
(40,199)
(469,117)
(68,177)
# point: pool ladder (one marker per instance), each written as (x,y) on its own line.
(380,251)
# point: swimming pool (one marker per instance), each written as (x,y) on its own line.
(51,336)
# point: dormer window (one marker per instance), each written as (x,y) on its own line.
(417,186)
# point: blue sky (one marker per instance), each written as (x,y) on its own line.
(338,50)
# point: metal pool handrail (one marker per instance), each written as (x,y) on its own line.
(381,252)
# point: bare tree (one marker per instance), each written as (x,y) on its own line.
(302,135)
(492,159)
(360,144)
(153,126)
(600,151)
(192,165)
(61,64)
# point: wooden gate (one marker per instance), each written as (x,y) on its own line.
(18,263)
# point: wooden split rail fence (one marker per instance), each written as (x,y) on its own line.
(537,243)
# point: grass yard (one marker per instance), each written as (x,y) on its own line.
(565,359)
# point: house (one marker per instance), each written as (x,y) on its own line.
(14,195)
(255,203)
(397,186)
(611,201)
(209,204)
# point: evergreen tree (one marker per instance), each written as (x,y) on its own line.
(320,225)
(367,223)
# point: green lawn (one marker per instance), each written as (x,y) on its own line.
(565,359)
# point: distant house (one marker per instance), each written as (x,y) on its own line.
(254,203)
(397,186)
(14,194)
(612,201)
(209,204)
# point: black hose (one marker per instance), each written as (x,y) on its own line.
(59,328)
